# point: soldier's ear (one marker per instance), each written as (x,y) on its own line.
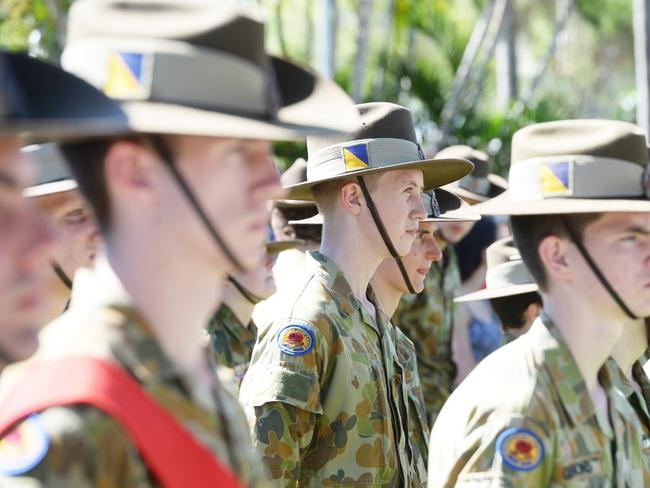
(351,198)
(553,255)
(128,168)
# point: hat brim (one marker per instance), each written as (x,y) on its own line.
(46,103)
(276,247)
(453,209)
(294,203)
(50,188)
(502,205)
(497,186)
(500,292)
(436,172)
(310,105)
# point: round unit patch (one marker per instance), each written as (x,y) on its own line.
(521,449)
(24,447)
(296,340)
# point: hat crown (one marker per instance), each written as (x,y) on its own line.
(294,174)
(379,120)
(501,252)
(587,137)
(478,158)
(202,23)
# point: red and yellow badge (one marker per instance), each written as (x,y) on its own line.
(24,447)
(521,449)
(296,340)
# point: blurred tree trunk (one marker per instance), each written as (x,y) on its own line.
(642,62)
(309,32)
(327,37)
(279,26)
(363,38)
(506,60)
(384,53)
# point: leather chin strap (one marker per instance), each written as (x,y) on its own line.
(251,297)
(61,274)
(164,152)
(573,235)
(384,235)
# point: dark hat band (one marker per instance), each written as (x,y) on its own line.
(479,185)
(575,177)
(156,70)
(350,156)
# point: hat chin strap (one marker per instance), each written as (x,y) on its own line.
(166,155)
(247,294)
(384,235)
(61,274)
(573,235)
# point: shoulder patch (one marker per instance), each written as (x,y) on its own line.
(296,339)
(521,449)
(24,447)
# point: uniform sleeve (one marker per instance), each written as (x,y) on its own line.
(281,434)
(508,452)
(70,446)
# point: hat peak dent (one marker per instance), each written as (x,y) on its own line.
(581,137)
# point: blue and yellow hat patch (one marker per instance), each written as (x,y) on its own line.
(355,157)
(24,447)
(296,340)
(556,179)
(520,449)
(128,75)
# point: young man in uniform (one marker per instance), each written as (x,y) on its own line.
(324,393)
(77,240)
(510,289)
(181,202)
(389,284)
(37,100)
(537,412)
(232,331)
(428,317)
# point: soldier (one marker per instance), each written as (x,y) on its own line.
(180,202)
(389,285)
(428,317)
(323,393)
(510,289)
(55,193)
(37,100)
(537,412)
(232,331)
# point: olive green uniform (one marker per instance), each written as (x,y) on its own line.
(88,448)
(524,418)
(331,393)
(428,320)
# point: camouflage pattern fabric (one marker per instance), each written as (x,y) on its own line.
(524,418)
(428,319)
(326,395)
(231,345)
(639,402)
(90,449)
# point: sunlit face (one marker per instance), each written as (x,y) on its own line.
(620,244)
(416,263)
(232,179)
(397,196)
(77,237)
(259,281)
(24,250)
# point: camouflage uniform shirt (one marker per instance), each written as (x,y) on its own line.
(326,394)
(87,447)
(524,418)
(428,319)
(231,345)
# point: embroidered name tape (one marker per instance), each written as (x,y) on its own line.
(520,449)
(296,340)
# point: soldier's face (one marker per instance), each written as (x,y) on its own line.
(24,249)
(77,237)
(453,232)
(259,280)
(397,195)
(620,244)
(233,179)
(416,263)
